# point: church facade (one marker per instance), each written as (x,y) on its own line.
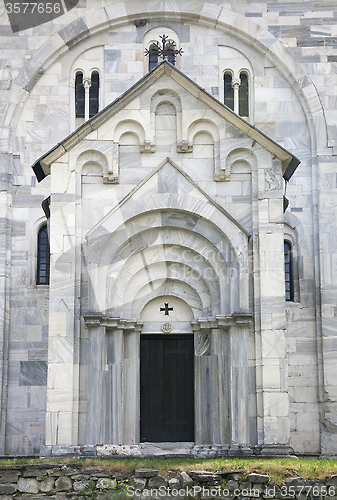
(168,231)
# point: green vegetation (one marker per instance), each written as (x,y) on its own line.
(278,469)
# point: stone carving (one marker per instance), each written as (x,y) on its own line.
(167,328)
(202,344)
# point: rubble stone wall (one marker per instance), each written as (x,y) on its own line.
(80,480)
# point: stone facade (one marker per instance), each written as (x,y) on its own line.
(167,194)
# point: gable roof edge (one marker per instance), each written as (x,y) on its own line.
(147,178)
(289,161)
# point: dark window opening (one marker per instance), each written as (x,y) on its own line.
(288,268)
(243,95)
(229,91)
(43,257)
(94,94)
(153,57)
(171,57)
(79,96)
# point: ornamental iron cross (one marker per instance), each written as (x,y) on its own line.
(166,309)
(167,49)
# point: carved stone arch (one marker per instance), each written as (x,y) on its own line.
(174,288)
(209,127)
(159,97)
(203,125)
(91,156)
(240,155)
(136,128)
(167,95)
(129,126)
(89,160)
(145,240)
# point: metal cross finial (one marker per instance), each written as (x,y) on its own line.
(168,48)
(166,309)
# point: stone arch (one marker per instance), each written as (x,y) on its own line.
(203,13)
(129,127)
(184,312)
(170,249)
(165,96)
(203,125)
(92,158)
(242,155)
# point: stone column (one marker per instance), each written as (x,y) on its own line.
(131,386)
(114,394)
(97,378)
(239,412)
(202,385)
(236,85)
(221,381)
(221,398)
(113,380)
(87,85)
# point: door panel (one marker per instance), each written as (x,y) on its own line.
(167,388)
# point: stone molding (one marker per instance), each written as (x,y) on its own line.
(236,319)
(97,319)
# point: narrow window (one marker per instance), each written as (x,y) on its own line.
(171,57)
(43,257)
(79,95)
(288,268)
(243,95)
(229,91)
(94,94)
(153,57)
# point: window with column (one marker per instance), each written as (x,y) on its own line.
(86,95)
(236,92)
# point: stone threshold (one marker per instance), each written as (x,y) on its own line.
(167,450)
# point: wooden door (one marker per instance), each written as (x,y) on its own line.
(166,388)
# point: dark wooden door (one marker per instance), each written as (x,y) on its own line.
(166,388)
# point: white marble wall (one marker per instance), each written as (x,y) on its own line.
(288,51)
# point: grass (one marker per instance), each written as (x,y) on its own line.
(278,469)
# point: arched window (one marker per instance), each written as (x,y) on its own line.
(43,257)
(94,94)
(243,95)
(79,95)
(288,268)
(229,91)
(153,57)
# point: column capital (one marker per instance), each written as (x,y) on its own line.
(219,321)
(98,319)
